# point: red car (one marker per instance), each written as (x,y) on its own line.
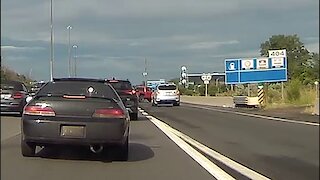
(144,92)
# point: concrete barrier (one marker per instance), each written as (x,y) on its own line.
(242,101)
(210,100)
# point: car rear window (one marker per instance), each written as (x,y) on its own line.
(93,89)
(120,85)
(167,87)
(15,86)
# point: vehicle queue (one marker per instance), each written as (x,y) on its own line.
(93,113)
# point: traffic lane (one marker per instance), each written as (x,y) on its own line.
(276,149)
(293,113)
(10,125)
(151,156)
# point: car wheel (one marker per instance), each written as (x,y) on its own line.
(177,104)
(123,153)
(28,149)
(134,116)
(141,98)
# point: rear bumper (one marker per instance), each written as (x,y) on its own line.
(167,99)
(11,106)
(48,131)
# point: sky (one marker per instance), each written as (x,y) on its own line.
(114,37)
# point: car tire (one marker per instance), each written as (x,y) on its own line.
(28,149)
(134,116)
(141,98)
(123,152)
(177,104)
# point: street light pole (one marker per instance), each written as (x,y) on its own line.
(51,41)
(75,60)
(69,51)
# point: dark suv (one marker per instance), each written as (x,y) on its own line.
(13,96)
(128,96)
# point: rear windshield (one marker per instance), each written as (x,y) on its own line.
(93,89)
(121,85)
(140,88)
(167,87)
(38,85)
(15,86)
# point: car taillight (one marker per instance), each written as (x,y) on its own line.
(131,92)
(108,113)
(39,111)
(17,95)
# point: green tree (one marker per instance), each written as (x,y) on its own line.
(301,63)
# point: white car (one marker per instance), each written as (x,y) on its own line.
(166,94)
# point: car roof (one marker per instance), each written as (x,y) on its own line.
(117,80)
(79,79)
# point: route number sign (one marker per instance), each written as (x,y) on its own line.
(277,53)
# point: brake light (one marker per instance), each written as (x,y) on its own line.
(108,113)
(113,81)
(39,111)
(131,92)
(74,97)
(17,95)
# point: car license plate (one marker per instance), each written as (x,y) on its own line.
(72,131)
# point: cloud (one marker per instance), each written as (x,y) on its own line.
(313,47)
(15,48)
(114,36)
(211,45)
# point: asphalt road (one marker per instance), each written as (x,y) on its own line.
(276,149)
(272,149)
(152,156)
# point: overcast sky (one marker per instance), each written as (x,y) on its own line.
(115,36)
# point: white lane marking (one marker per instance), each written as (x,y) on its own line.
(213,169)
(144,113)
(216,155)
(259,116)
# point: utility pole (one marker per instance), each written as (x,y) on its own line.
(51,41)
(69,50)
(75,60)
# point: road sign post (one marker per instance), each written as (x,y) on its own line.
(206,80)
